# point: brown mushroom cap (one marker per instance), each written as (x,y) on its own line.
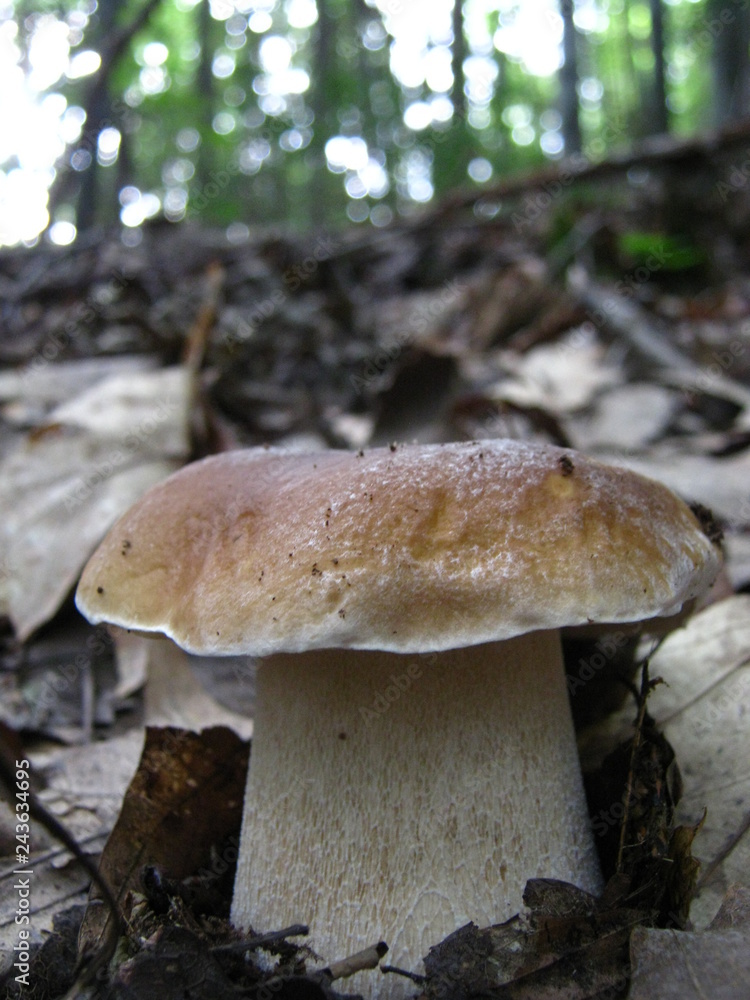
(406,549)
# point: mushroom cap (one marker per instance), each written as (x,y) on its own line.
(412,548)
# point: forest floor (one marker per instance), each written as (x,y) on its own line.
(607,312)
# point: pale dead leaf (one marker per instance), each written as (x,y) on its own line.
(84,789)
(85,784)
(561,377)
(737,546)
(681,965)
(719,483)
(627,417)
(54,890)
(27,394)
(704,712)
(699,659)
(67,482)
(175,697)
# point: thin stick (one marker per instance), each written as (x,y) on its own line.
(369,958)
(642,698)
(415,978)
(260,940)
(100,958)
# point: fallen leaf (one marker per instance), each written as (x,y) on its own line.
(175,697)
(84,787)
(185,782)
(561,377)
(683,965)
(569,947)
(28,394)
(69,480)
(703,709)
(627,417)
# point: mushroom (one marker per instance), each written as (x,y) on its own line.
(414,759)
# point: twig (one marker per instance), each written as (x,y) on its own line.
(641,698)
(415,978)
(260,940)
(655,151)
(627,320)
(369,958)
(197,337)
(100,958)
(630,322)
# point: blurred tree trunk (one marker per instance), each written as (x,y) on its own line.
(111,42)
(323,100)
(453,148)
(571,128)
(659,121)
(730,26)
(458,56)
(98,107)
(204,81)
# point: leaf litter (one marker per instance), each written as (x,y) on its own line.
(446,328)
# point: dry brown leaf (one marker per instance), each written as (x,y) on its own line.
(708,965)
(84,789)
(184,801)
(627,417)
(560,377)
(704,712)
(569,947)
(68,481)
(175,697)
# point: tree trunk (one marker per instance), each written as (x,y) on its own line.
(458,55)
(659,120)
(730,26)
(204,82)
(323,103)
(571,128)
(451,154)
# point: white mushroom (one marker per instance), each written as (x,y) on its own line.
(414,760)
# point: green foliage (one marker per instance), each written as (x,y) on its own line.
(199,98)
(675,253)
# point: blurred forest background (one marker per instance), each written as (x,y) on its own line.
(329,112)
(349,223)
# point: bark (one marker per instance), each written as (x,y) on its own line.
(571,128)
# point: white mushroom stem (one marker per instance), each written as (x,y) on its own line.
(396,797)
